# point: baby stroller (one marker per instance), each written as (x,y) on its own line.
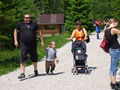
(80,57)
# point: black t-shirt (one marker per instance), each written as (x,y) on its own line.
(112,39)
(27,32)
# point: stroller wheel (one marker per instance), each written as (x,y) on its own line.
(87,71)
(72,70)
(75,71)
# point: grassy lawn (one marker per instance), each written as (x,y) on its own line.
(9,59)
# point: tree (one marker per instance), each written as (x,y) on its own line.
(77,10)
(11,12)
(116,9)
(100,9)
(50,6)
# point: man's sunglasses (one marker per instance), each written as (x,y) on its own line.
(27,17)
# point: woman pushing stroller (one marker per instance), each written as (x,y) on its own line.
(80,34)
(79,48)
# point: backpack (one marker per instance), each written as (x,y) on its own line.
(88,38)
(104,44)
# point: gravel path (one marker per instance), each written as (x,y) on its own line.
(98,79)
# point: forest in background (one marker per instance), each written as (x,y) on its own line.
(11,12)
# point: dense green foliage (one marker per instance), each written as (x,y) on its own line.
(88,10)
(11,12)
(77,10)
(116,9)
(5,42)
(104,9)
(100,9)
(50,6)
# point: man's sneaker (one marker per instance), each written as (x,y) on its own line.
(114,86)
(36,72)
(51,73)
(47,73)
(22,75)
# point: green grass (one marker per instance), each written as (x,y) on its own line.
(9,59)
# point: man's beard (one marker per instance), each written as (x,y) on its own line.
(28,22)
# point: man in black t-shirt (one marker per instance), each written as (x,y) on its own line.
(28,44)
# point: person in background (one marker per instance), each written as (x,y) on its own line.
(112,35)
(28,44)
(106,24)
(97,27)
(51,56)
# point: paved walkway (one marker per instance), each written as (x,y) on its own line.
(98,79)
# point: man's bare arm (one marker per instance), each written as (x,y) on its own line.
(115,31)
(15,37)
(41,37)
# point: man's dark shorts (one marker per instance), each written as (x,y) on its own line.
(28,49)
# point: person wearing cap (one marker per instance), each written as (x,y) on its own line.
(97,27)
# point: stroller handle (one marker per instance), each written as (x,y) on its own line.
(71,40)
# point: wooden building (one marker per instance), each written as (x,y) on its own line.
(52,23)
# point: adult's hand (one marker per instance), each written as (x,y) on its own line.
(16,43)
(70,39)
(85,39)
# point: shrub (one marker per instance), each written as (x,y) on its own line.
(5,42)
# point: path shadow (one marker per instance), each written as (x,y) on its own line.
(23,79)
(32,75)
(90,69)
(57,73)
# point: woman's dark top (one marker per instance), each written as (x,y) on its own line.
(112,39)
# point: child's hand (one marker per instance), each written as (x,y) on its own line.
(57,61)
